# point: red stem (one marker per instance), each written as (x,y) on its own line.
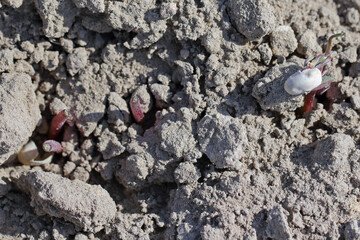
(309,101)
(52,146)
(57,123)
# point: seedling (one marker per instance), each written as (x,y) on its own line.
(311,79)
(58,122)
(29,154)
(135,105)
(56,126)
(52,146)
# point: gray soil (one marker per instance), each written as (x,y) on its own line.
(222,153)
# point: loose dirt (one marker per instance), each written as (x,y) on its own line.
(222,153)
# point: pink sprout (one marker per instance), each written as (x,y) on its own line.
(135,105)
(52,146)
(57,123)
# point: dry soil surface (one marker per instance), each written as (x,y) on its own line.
(223,151)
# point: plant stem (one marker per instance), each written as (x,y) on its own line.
(329,42)
(309,101)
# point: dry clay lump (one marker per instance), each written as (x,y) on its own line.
(57,16)
(283,41)
(252,18)
(223,139)
(308,45)
(332,153)
(86,206)
(278,227)
(19,113)
(270,93)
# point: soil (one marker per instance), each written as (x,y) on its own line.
(222,151)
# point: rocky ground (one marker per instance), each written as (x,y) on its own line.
(223,151)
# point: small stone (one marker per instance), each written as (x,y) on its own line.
(44,235)
(57,106)
(87,149)
(297,220)
(212,40)
(45,87)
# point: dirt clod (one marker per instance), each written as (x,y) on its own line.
(20,113)
(283,41)
(88,207)
(224,148)
(253,18)
(182,128)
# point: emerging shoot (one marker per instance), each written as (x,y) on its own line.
(52,146)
